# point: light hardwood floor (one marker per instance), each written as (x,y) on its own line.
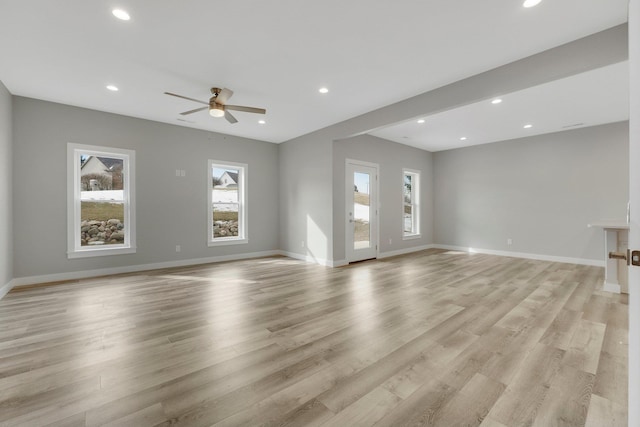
(432,338)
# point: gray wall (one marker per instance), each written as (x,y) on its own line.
(308,210)
(306,198)
(6,188)
(292,184)
(391,158)
(540,191)
(170,210)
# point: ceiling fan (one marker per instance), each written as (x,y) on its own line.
(218,106)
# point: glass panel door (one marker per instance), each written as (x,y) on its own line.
(361,211)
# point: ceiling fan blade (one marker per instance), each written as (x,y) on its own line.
(245,109)
(186,97)
(229,117)
(193,111)
(224,96)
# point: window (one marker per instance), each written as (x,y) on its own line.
(227,203)
(100,201)
(411,203)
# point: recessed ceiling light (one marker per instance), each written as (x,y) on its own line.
(323,90)
(464,138)
(531,3)
(261,122)
(528,126)
(121,14)
(112,88)
(421,121)
(496,101)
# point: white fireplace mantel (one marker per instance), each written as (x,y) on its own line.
(615,240)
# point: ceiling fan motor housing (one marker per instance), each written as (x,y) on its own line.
(217,105)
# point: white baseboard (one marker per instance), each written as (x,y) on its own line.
(312,259)
(343,262)
(405,251)
(4,289)
(567,260)
(611,287)
(74,275)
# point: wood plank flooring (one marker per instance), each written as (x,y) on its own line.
(433,338)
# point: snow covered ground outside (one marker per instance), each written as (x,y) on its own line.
(217,196)
(225,196)
(113,196)
(407,222)
(361,212)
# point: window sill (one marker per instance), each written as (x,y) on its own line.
(411,236)
(224,241)
(88,253)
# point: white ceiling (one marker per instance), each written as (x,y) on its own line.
(276,55)
(596,97)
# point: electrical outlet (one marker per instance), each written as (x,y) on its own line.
(509,242)
(178,248)
(302,244)
(183,172)
(390,240)
(177,172)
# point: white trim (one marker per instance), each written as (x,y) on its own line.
(223,241)
(243,200)
(362,163)
(348,248)
(100,251)
(405,251)
(74,249)
(415,204)
(6,288)
(611,287)
(412,236)
(312,260)
(552,258)
(31,280)
(381,255)
(634,232)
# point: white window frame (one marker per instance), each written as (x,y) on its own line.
(415,204)
(74,248)
(243,229)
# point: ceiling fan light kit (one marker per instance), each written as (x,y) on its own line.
(216,111)
(217,105)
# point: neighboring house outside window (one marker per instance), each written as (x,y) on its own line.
(411,204)
(227,207)
(100,201)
